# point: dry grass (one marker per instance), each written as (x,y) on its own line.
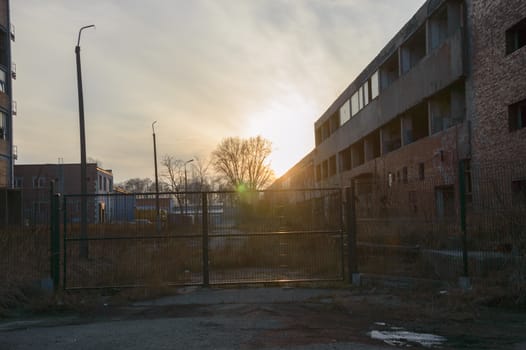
(24,260)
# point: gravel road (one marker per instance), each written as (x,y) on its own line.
(268,318)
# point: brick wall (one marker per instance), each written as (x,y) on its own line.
(498,80)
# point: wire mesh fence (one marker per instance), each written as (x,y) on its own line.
(200,238)
(413,226)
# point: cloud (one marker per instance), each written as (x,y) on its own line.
(203,69)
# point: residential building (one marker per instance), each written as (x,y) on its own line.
(9,199)
(35,182)
(449,87)
(7,110)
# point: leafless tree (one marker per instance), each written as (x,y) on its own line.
(201,179)
(244,162)
(136,185)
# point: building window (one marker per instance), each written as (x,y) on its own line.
(318,172)
(516,37)
(445,201)
(404,175)
(39,182)
(2,81)
(332,166)
(421,171)
(518,192)
(355,103)
(3,48)
(375,85)
(517,115)
(3,126)
(19,182)
(345,112)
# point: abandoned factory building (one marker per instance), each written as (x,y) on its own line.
(445,98)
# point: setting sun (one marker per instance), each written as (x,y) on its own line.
(286,121)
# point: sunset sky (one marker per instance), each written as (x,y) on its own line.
(204,70)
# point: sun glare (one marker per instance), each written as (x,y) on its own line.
(287,122)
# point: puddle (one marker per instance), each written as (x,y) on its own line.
(399,337)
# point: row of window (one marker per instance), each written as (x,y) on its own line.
(104,184)
(442,24)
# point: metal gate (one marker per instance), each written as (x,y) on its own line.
(131,240)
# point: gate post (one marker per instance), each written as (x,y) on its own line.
(206,272)
(464,279)
(354,277)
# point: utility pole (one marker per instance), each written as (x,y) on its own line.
(186,188)
(83,184)
(157,206)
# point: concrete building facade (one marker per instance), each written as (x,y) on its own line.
(449,87)
(7,107)
(34,181)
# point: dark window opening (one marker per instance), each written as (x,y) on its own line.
(421,171)
(445,201)
(324,169)
(416,124)
(518,191)
(334,122)
(317,136)
(440,108)
(332,166)
(318,172)
(516,37)
(3,48)
(345,159)
(389,71)
(413,50)
(3,126)
(517,115)
(405,175)
(372,146)
(391,139)
(438,28)
(357,155)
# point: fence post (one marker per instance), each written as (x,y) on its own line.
(64,243)
(206,276)
(54,267)
(464,279)
(354,277)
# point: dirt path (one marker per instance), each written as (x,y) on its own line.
(274,318)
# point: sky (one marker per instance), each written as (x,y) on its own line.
(203,69)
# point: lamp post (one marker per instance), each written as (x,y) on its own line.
(185,187)
(157,206)
(83,184)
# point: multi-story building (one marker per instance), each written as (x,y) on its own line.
(34,181)
(7,107)
(449,87)
(9,198)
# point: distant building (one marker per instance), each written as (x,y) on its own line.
(34,181)
(449,87)
(9,199)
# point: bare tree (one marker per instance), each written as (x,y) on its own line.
(244,162)
(173,176)
(136,185)
(201,180)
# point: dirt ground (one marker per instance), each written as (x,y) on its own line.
(365,318)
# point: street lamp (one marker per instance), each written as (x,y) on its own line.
(157,209)
(185,187)
(83,184)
